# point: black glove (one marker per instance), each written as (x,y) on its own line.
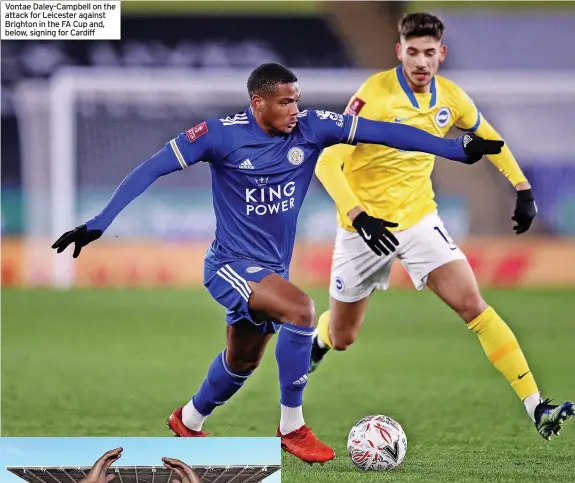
(525,211)
(476,147)
(375,233)
(80,235)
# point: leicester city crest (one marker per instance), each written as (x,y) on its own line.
(295,156)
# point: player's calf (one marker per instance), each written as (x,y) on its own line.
(245,347)
(293,351)
(226,375)
(339,339)
(275,298)
(332,333)
(239,366)
(455,283)
(342,339)
(281,300)
(337,328)
(219,386)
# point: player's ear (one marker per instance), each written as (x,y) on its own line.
(257,102)
(398,52)
(442,52)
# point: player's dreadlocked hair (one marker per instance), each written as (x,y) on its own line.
(265,78)
(420,25)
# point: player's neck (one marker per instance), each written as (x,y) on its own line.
(421,90)
(270,131)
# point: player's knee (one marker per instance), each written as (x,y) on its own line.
(340,341)
(471,306)
(303,312)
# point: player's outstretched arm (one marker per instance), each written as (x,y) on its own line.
(162,163)
(470,119)
(467,149)
(328,128)
(525,206)
(200,143)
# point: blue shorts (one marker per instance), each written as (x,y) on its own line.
(227,283)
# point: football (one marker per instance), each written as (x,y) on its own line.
(377,443)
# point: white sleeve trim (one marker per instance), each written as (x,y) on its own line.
(352,130)
(178,153)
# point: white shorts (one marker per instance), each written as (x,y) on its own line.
(356,271)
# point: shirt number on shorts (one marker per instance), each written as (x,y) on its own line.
(448,240)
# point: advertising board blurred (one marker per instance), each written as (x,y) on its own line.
(497,262)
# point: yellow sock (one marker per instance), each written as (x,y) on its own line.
(323,329)
(502,349)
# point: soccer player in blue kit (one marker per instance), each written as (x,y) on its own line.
(262,161)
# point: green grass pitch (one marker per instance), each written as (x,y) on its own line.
(116,363)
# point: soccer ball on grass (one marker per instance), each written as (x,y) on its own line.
(377,443)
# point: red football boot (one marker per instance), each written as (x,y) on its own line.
(176,424)
(303,444)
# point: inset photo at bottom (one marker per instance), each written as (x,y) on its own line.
(140,460)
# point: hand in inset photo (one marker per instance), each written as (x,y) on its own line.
(185,473)
(98,472)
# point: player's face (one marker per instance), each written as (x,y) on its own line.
(278,111)
(420,57)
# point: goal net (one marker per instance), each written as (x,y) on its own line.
(85,129)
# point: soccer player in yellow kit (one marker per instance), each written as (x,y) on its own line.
(386,210)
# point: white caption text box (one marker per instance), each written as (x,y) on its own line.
(61,20)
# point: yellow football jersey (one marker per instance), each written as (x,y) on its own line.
(392,184)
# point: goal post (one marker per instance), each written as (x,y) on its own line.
(99,119)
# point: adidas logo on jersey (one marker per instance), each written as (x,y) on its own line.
(301,380)
(239,118)
(246,164)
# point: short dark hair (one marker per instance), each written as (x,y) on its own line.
(265,78)
(420,25)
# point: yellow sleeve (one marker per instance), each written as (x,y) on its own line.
(470,119)
(329,168)
(505,161)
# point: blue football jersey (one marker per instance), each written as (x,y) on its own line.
(259,181)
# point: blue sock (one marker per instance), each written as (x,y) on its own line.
(293,351)
(219,385)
